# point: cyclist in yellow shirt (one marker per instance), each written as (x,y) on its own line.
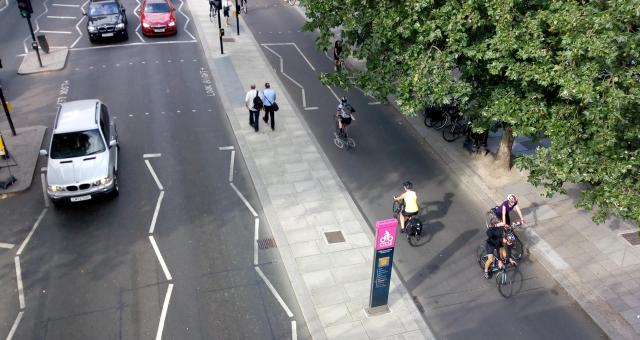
(410,206)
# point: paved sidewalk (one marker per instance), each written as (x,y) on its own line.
(597,266)
(302,198)
(24,149)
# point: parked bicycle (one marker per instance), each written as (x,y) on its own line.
(517,249)
(459,127)
(439,117)
(412,226)
(505,273)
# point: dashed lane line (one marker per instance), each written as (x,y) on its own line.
(163,314)
(56,32)
(60,17)
(7,245)
(244,200)
(233,155)
(153,173)
(33,229)
(255,242)
(151,155)
(165,269)
(274,292)
(155,213)
(222,148)
(294,330)
(19,281)
(14,328)
(64,5)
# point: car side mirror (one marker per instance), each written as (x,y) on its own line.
(113,142)
(123,10)
(43,152)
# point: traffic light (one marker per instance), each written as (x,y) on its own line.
(216,3)
(25,8)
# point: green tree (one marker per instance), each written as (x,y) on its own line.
(565,70)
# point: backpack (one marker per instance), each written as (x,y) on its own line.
(257,101)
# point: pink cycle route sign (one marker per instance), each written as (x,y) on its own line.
(386,233)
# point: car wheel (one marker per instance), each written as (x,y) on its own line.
(126,36)
(57,204)
(116,188)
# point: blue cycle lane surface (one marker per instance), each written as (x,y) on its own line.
(442,274)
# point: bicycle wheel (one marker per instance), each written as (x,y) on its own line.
(505,282)
(481,255)
(396,208)
(451,133)
(445,121)
(338,142)
(489,216)
(517,249)
(244,7)
(351,144)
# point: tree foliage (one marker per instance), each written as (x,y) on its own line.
(565,69)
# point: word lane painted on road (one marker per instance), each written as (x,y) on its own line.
(63,92)
(207,83)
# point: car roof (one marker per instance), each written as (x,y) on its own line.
(79,115)
(102,1)
(156,1)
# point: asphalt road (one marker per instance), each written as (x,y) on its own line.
(90,271)
(442,273)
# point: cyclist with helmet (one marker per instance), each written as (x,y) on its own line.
(410,207)
(344,115)
(499,242)
(502,211)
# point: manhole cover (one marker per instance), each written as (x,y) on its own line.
(334,237)
(266,243)
(633,238)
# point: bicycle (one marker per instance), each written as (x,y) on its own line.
(517,249)
(243,6)
(213,12)
(412,226)
(340,65)
(438,118)
(457,128)
(292,2)
(342,141)
(505,274)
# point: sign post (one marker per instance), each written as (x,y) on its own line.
(382,266)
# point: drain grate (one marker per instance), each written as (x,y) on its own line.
(266,243)
(334,237)
(228,40)
(633,238)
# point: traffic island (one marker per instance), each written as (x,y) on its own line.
(23,150)
(52,61)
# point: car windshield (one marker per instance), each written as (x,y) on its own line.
(158,7)
(102,8)
(76,144)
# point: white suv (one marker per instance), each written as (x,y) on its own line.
(83,154)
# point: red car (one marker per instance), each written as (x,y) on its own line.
(157,18)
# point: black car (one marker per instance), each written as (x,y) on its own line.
(106,19)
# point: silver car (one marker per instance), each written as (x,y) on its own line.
(83,154)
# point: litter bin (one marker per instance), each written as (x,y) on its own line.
(42,41)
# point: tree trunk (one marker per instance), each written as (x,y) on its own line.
(504,149)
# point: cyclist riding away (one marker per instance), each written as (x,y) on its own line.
(410,206)
(502,211)
(344,115)
(337,51)
(499,241)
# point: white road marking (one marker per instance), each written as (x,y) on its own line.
(132,44)
(233,156)
(6,4)
(57,32)
(62,5)
(7,245)
(163,314)
(60,17)
(186,22)
(44,190)
(19,279)
(155,213)
(37,26)
(151,155)
(294,330)
(33,229)
(374,103)
(230,147)
(160,259)
(153,173)
(304,97)
(43,169)
(15,326)
(311,108)
(274,292)
(296,46)
(332,92)
(255,242)
(244,200)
